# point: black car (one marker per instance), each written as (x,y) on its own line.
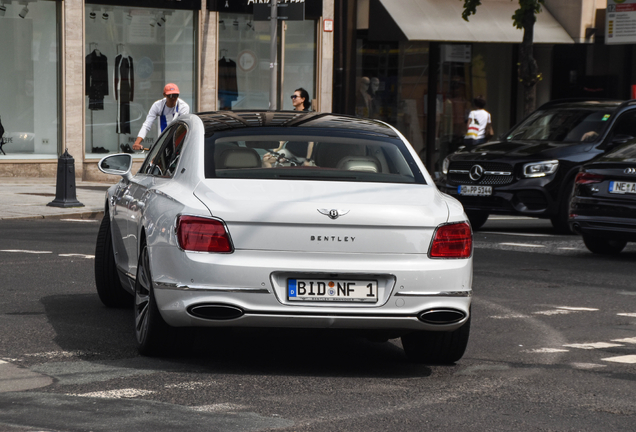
(530,171)
(603,205)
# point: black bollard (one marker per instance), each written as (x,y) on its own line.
(65,183)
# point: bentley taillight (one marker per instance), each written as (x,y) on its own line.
(588,178)
(452,241)
(198,234)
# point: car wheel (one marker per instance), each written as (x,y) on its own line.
(154,335)
(477,218)
(603,246)
(560,220)
(109,287)
(436,347)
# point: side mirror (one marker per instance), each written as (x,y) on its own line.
(117,164)
(621,139)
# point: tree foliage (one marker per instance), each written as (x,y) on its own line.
(523,18)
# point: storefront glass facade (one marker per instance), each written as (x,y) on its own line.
(131,54)
(244,61)
(29,72)
(393,85)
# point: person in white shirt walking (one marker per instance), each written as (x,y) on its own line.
(167,109)
(479,124)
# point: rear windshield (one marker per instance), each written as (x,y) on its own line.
(566,125)
(307,157)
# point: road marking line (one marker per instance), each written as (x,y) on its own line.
(547,350)
(218,407)
(116,394)
(627,292)
(511,218)
(3,362)
(593,345)
(569,248)
(517,234)
(588,365)
(632,315)
(79,220)
(553,312)
(577,308)
(626,340)
(622,359)
(78,255)
(25,251)
(508,316)
(522,245)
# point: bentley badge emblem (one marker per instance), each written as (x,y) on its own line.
(476,172)
(333,213)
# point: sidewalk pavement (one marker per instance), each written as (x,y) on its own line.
(27,198)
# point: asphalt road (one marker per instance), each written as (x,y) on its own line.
(552,348)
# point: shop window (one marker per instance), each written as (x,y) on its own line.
(30,79)
(131,54)
(244,63)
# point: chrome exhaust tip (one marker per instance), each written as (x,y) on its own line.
(217,312)
(441,316)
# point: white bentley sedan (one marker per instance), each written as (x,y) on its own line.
(286,219)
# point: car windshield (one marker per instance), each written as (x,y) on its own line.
(565,125)
(310,157)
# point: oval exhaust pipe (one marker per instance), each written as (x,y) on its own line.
(441,316)
(218,312)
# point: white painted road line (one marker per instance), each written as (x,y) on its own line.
(547,350)
(593,345)
(631,359)
(516,234)
(577,308)
(522,245)
(587,365)
(80,220)
(25,251)
(626,340)
(78,255)
(631,315)
(116,394)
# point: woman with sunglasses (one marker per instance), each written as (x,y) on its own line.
(300,100)
(167,109)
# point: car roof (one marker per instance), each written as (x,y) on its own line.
(587,103)
(230,120)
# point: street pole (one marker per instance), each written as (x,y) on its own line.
(273,55)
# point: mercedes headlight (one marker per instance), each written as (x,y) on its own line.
(445,165)
(540,169)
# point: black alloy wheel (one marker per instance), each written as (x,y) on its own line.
(436,347)
(603,246)
(477,218)
(560,220)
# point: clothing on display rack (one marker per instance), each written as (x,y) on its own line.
(228,85)
(123,86)
(96,79)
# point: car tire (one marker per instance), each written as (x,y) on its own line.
(603,246)
(109,287)
(477,218)
(154,336)
(560,220)
(436,347)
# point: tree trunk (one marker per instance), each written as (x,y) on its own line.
(528,69)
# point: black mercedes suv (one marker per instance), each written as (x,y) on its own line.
(530,171)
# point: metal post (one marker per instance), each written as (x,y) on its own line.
(65,183)
(273,55)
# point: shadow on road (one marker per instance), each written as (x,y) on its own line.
(95,333)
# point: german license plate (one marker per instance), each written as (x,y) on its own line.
(619,187)
(331,290)
(471,190)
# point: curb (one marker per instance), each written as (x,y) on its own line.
(80,215)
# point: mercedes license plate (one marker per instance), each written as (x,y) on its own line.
(472,190)
(332,290)
(619,187)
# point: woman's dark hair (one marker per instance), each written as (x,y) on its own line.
(304,95)
(480,102)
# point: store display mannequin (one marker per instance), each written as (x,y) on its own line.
(123,85)
(363,98)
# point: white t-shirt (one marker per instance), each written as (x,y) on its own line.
(477,122)
(158,109)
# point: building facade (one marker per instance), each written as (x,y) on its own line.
(82,74)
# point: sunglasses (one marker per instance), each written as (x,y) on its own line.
(173,96)
(294,96)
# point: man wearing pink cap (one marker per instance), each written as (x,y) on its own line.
(167,109)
